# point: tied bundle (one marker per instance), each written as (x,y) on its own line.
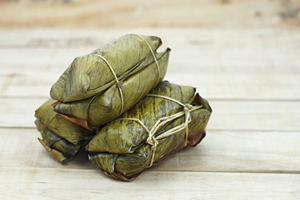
(97,88)
(114,104)
(170,118)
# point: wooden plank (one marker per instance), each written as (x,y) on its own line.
(91,184)
(266,116)
(189,13)
(18,112)
(199,50)
(239,86)
(220,151)
(252,67)
(227,115)
(20,148)
(227,151)
(210,85)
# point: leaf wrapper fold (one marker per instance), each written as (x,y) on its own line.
(60,137)
(89,75)
(106,105)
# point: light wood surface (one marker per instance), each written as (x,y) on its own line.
(36,183)
(155,13)
(221,151)
(250,77)
(227,114)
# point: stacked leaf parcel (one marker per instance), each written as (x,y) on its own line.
(86,95)
(114,104)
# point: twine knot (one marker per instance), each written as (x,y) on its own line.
(188,107)
(152,140)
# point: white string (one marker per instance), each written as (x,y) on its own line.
(116,78)
(117,82)
(153,54)
(152,140)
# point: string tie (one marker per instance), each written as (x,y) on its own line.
(152,140)
(116,78)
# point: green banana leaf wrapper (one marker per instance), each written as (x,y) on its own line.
(120,149)
(89,75)
(106,105)
(60,137)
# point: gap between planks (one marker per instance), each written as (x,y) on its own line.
(160,171)
(209,99)
(208,129)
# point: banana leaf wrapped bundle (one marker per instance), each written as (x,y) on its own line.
(100,86)
(60,137)
(168,119)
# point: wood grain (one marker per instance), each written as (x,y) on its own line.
(227,115)
(210,85)
(259,65)
(169,13)
(209,51)
(250,77)
(91,184)
(220,151)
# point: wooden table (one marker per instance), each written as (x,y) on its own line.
(252,149)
